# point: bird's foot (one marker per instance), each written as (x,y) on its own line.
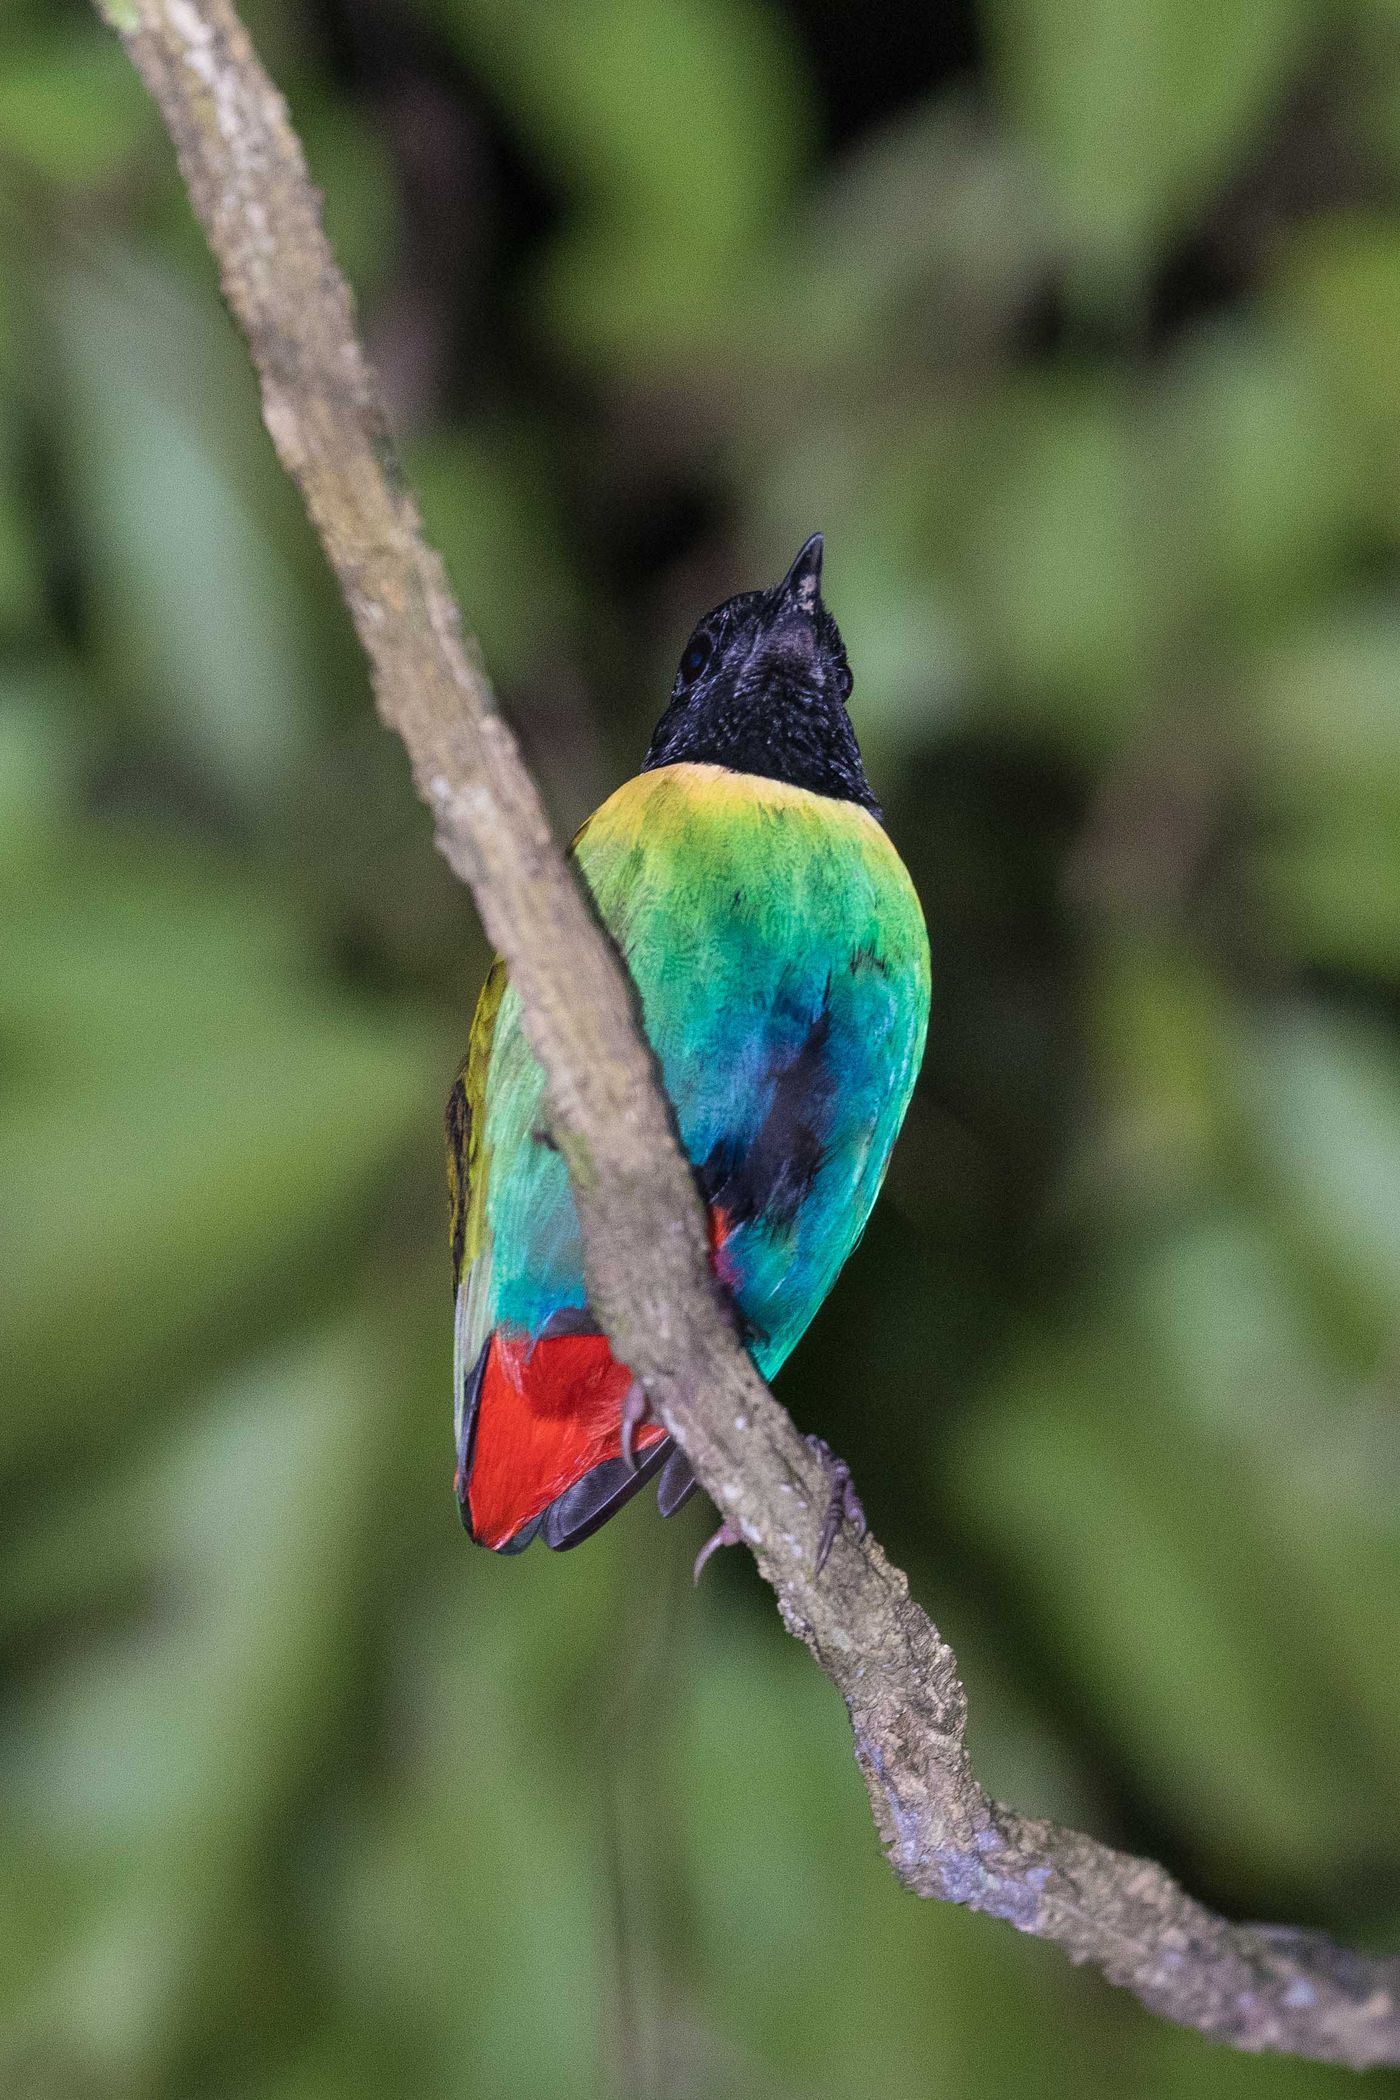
(634,1413)
(725,1536)
(844,1506)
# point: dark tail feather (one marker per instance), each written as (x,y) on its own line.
(576,1514)
(677,1483)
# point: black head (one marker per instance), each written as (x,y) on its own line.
(762,688)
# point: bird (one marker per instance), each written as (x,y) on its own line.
(781,962)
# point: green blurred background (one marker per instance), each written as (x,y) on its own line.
(1075,324)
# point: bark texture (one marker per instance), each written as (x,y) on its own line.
(1256,1987)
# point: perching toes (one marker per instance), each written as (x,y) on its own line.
(844,1506)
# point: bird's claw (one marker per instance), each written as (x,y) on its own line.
(725,1536)
(634,1413)
(844,1506)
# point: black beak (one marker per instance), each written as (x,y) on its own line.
(803,583)
(787,646)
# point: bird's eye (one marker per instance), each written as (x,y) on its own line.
(698,652)
(844,681)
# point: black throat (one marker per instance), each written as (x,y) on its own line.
(808,743)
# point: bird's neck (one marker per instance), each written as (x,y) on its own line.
(805,743)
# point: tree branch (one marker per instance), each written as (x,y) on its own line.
(1257,1987)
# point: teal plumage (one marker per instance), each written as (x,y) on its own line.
(779,953)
